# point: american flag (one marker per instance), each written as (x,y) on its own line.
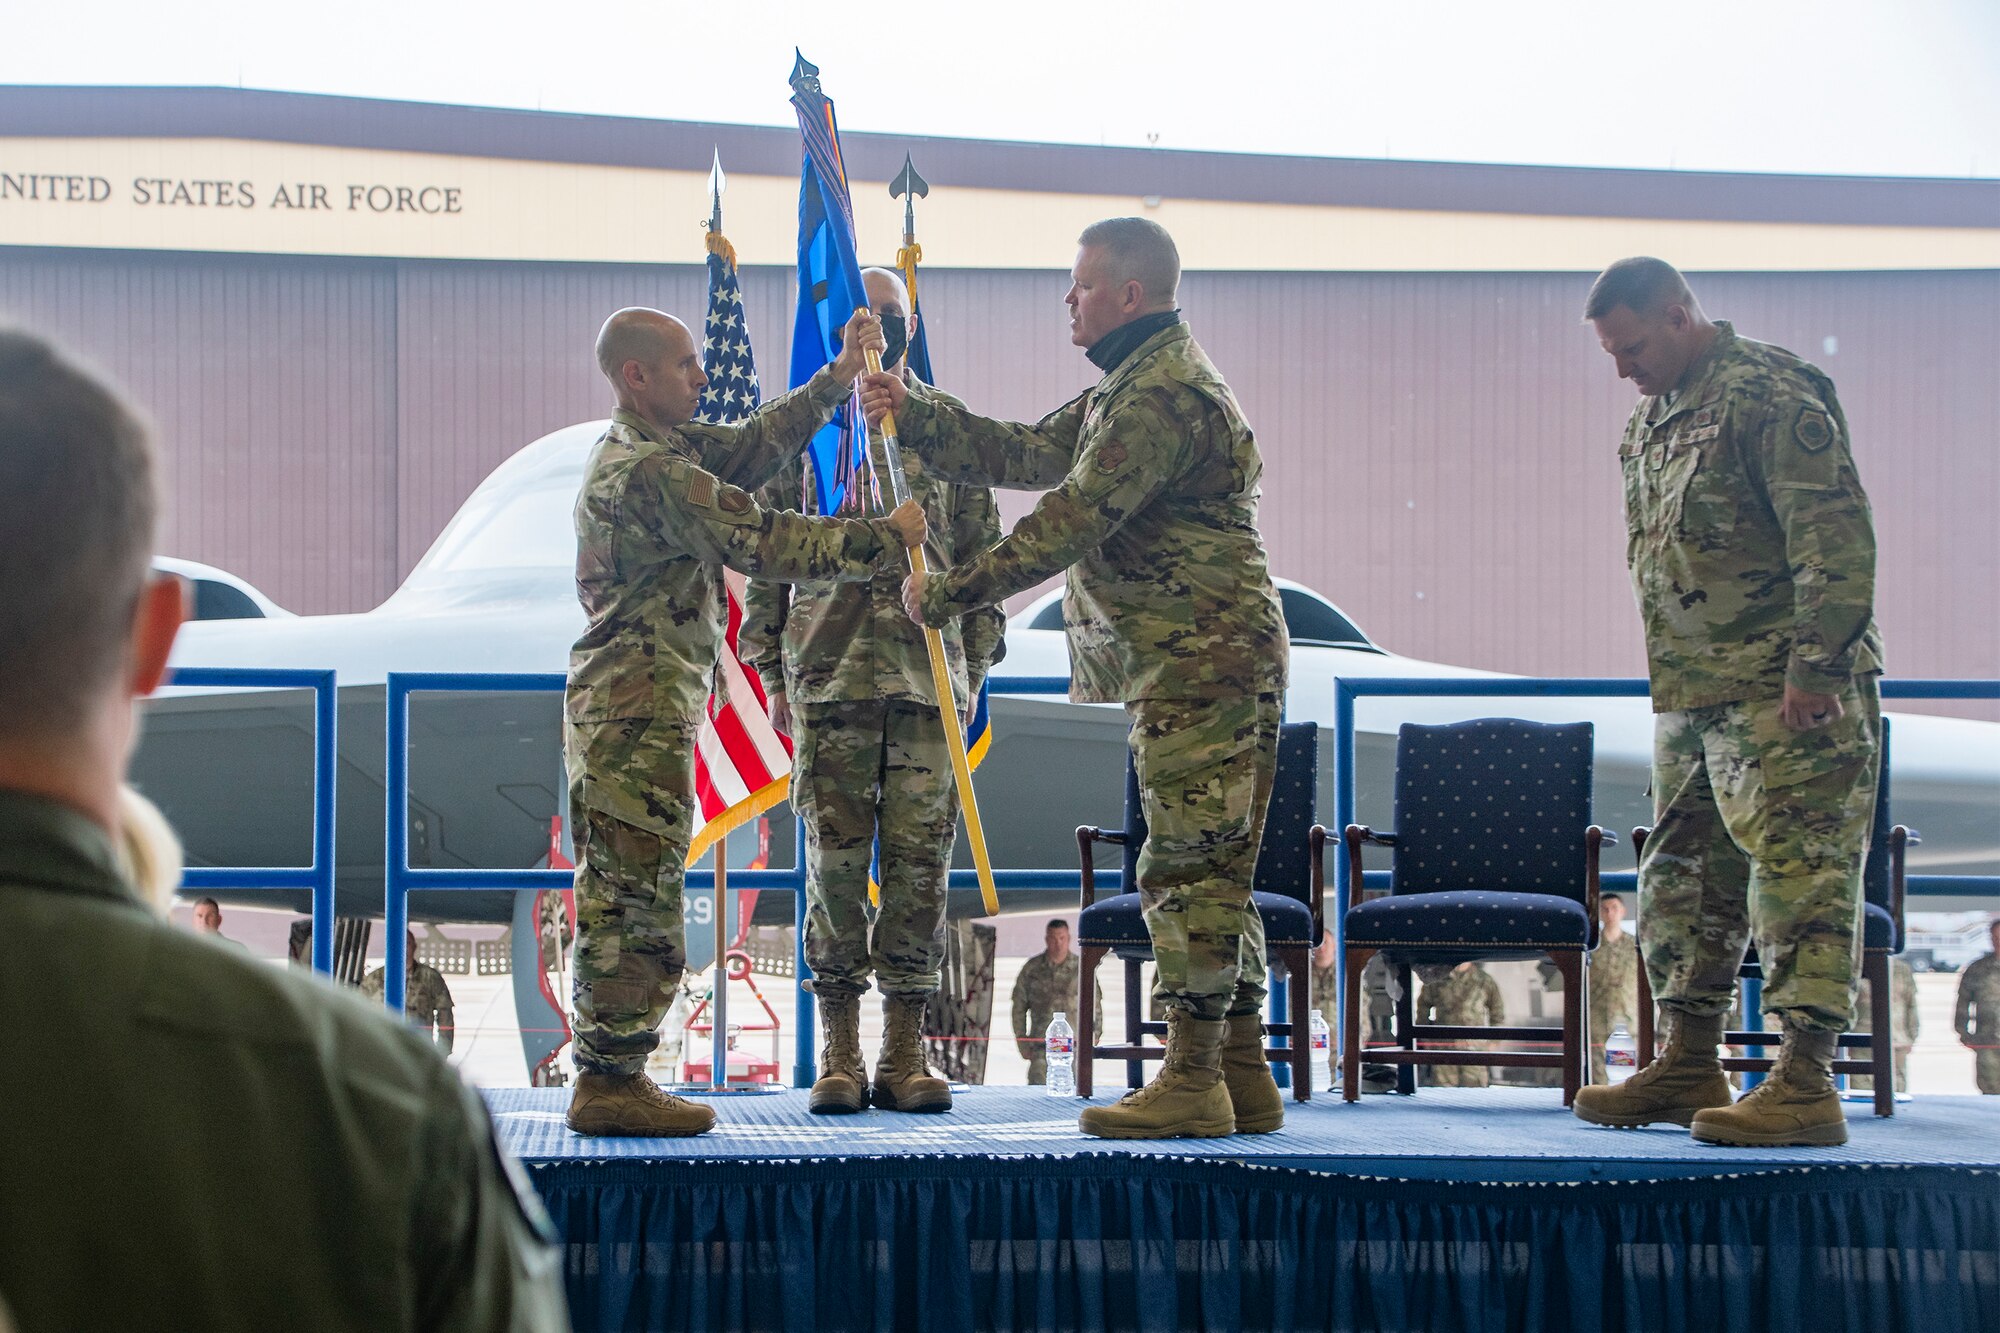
(742,765)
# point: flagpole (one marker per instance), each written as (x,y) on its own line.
(954,733)
(718,1004)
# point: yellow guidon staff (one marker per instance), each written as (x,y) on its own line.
(954,726)
(909,186)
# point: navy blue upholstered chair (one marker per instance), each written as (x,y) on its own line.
(1882,884)
(1289,891)
(1496,858)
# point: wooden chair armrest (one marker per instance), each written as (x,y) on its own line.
(1086,836)
(1901,838)
(1595,839)
(1316,849)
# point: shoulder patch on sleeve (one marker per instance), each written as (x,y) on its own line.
(701,488)
(1813,430)
(733,500)
(1111,457)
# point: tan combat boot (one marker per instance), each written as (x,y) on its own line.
(1795,1107)
(842,1085)
(633,1105)
(903,1081)
(1684,1079)
(1246,1072)
(1186,1100)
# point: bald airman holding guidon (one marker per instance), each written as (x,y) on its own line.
(1752,551)
(666,503)
(1170,610)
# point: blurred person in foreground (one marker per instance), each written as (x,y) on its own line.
(189,1076)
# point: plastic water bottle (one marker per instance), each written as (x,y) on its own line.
(1621,1055)
(1322,1054)
(1062,1057)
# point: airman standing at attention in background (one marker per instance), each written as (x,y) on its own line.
(1977,1015)
(1169,610)
(1614,980)
(662,509)
(426,999)
(1465,996)
(1903,1022)
(848,678)
(1048,985)
(1753,555)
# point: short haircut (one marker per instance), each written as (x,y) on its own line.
(1642,284)
(631,334)
(1141,252)
(1060,924)
(77,516)
(1613,898)
(200,903)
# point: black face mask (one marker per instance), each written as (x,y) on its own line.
(896,331)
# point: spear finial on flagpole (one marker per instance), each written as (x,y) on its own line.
(717,183)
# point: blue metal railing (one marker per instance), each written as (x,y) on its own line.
(401,878)
(1347,690)
(319,876)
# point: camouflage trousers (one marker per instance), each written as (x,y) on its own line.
(1205,769)
(866,770)
(1760,834)
(631,802)
(1986,1070)
(1458,1076)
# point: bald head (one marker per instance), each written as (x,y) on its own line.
(890,300)
(651,361)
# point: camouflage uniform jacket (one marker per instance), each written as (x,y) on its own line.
(827,642)
(1614,983)
(1978,1011)
(426,1000)
(1044,989)
(339,1124)
(1464,999)
(660,514)
(1751,543)
(1154,515)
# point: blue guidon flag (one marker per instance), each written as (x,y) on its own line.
(830,289)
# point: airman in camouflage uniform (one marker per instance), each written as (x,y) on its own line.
(1466,996)
(1169,609)
(1614,981)
(1977,1016)
(848,677)
(1903,1022)
(1045,988)
(1752,551)
(426,999)
(663,508)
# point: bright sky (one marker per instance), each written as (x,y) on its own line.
(1897,87)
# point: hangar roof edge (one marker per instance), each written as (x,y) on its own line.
(544,136)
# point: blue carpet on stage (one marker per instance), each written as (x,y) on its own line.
(1459,1208)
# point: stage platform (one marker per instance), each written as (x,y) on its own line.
(1458,1208)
